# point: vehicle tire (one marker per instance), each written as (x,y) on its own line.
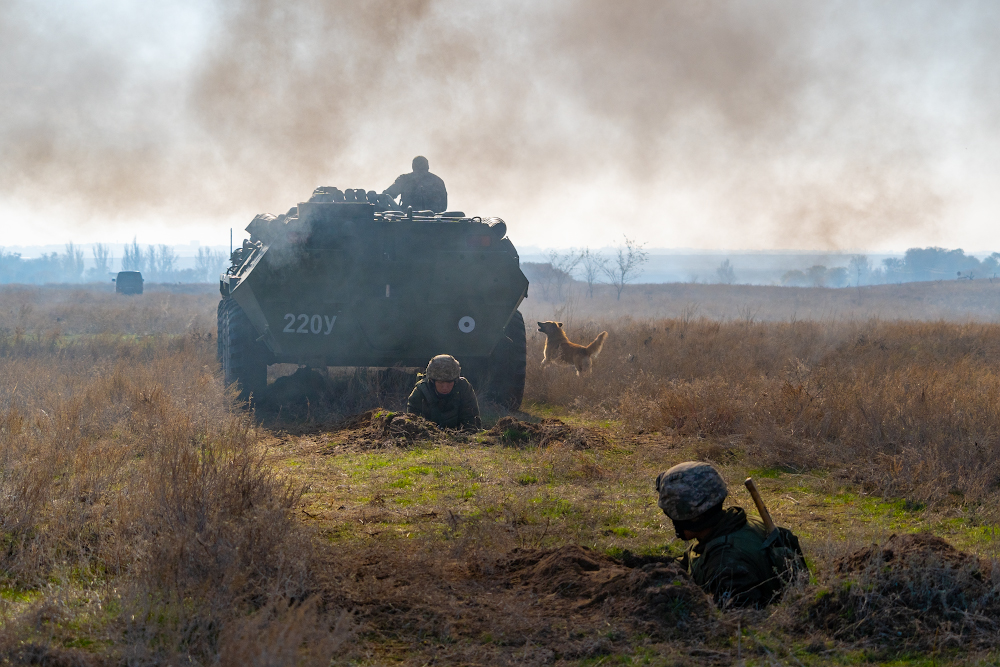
(244,359)
(502,378)
(219,316)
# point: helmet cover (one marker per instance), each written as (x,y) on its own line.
(690,489)
(444,368)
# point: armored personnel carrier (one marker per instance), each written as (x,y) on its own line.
(345,280)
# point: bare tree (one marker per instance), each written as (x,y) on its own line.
(593,266)
(626,265)
(133,259)
(152,265)
(72,263)
(208,262)
(167,259)
(725,272)
(102,261)
(564,264)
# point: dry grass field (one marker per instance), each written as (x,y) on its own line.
(148,519)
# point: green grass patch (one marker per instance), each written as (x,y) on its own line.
(18,595)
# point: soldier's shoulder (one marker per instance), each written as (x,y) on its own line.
(747,538)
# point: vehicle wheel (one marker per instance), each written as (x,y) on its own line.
(244,360)
(219,317)
(503,377)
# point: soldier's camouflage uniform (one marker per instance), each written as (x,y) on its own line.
(456,409)
(732,563)
(736,563)
(422,190)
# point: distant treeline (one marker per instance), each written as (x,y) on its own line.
(918,264)
(157,263)
(551,280)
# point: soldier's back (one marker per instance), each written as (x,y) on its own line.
(423,191)
(733,565)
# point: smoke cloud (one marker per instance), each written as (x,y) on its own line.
(766,124)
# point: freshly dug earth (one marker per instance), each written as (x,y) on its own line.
(511,431)
(913,589)
(578,579)
(378,429)
(525,607)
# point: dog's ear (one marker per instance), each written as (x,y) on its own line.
(658,478)
(541,324)
(560,324)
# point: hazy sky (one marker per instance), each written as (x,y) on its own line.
(739,125)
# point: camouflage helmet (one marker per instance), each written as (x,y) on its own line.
(690,489)
(443,368)
(420,163)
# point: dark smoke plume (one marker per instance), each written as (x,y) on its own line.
(780,123)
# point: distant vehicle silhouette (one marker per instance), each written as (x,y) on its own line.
(128,282)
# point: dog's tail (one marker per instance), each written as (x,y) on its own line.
(594,348)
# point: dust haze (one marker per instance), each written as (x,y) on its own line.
(766,124)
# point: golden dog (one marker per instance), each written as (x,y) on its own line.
(559,349)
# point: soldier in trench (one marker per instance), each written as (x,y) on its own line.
(444,397)
(731,557)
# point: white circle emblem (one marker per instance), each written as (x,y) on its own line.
(466,324)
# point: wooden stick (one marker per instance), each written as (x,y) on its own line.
(761,507)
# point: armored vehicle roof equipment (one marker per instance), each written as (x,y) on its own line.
(345,280)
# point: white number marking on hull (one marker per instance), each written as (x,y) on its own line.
(309,323)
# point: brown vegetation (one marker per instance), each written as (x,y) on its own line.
(143,520)
(906,408)
(137,505)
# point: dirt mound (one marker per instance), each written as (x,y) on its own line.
(919,549)
(657,592)
(511,431)
(573,571)
(383,428)
(914,589)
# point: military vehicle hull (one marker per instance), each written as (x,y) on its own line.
(345,284)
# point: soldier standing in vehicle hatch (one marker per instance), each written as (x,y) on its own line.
(420,189)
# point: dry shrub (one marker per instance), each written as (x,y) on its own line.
(284,634)
(909,408)
(130,477)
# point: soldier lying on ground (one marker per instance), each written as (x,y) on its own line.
(420,189)
(732,558)
(443,396)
